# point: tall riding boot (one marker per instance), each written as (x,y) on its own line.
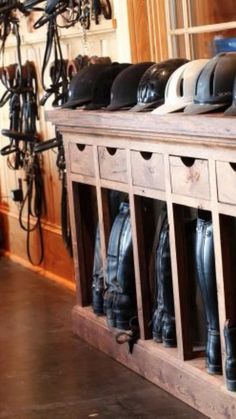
(119,297)
(98,274)
(125,300)
(205,264)
(230,363)
(164,315)
(98,277)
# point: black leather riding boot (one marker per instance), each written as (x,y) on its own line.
(205,264)
(164,316)
(98,277)
(119,297)
(98,274)
(125,299)
(230,363)
(112,266)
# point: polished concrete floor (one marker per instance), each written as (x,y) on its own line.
(46,372)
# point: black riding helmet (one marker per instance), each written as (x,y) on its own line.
(82,85)
(125,86)
(214,86)
(102,90)
(151,88)
(232,109)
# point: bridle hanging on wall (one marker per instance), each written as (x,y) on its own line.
(21,92)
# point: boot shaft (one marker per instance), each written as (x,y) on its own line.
(205,265)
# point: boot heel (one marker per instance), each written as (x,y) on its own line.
(157,337)
(230,362)
(231,385)
(214,369)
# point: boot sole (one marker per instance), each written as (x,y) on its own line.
(169,344)
(214,369)
(157,338)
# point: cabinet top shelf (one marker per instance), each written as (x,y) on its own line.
(211,129)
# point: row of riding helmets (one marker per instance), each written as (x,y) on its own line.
(194,87)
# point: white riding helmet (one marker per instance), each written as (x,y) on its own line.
(180,88)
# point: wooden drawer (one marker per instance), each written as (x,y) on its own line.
(148,170)
(190,177)
(113,164)
(226,181)
(81,159)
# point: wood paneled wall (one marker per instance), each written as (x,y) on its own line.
(147,30)
(101,40)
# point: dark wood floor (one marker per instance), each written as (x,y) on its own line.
(46,372)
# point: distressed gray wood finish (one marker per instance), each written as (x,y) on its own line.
(199,183)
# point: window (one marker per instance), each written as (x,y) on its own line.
(197,28)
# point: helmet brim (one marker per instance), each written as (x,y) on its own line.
(93,106)
(118,107)
(169,108)
(231,111)
(75,103)
(142,107)
(197,109)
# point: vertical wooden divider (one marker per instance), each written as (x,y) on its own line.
(178,272)
(141,277)
(76,220)
(102,203)
(218,253)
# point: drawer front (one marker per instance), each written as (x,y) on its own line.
(113,164)
(226,182)
(190,177)
(148,170)
(81,159)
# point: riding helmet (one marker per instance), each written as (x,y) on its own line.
(214,86)
(125,86)
(82,85)
(180,87)
(102,90)
(151,87)
(232,109)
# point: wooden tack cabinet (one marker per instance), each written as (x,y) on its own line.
(187,162)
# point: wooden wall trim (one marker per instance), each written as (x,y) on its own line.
(56,260)
(47,274)
(139,33)
(47,225)
(147,25)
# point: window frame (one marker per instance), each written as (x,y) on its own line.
(187,30)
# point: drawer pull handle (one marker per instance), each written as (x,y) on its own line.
(112,151)
(81,147)
(233,166)
(188,161)
(146,155)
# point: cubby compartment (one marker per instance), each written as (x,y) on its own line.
(120,304)
(189,176)
(228,249)
(226,181)
(148,169)
(113,164)
(81,159)
(86,216)
(198,296)
(156,282)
